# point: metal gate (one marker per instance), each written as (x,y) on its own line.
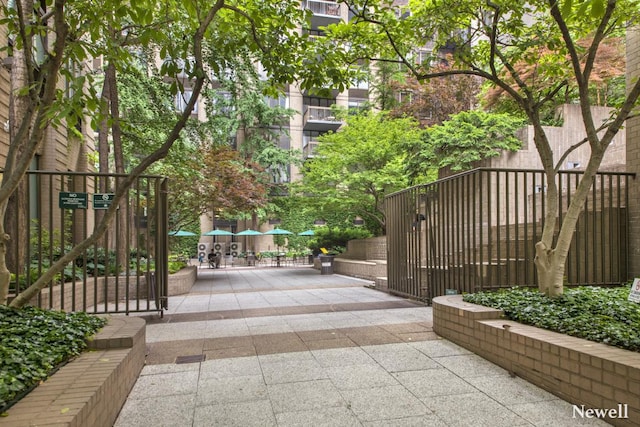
(125,271)
(477,231)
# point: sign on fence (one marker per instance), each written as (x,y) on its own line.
(102,200)
(68,200)
(634,294)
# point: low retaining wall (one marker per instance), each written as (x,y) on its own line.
(369,270)
(76,298)
(582,372)
(181,282)
(91,389)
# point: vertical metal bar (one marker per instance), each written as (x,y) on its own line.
(518,194)
(624,236)
(481,264)
(508,261)
(602,265)
(610,210)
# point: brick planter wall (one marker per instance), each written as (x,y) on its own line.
(579,371)
(91,389)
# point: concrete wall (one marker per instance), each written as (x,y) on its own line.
(633,154)
(364,258)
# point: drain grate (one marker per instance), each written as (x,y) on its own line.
(190,359)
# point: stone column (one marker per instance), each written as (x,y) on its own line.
(633,155)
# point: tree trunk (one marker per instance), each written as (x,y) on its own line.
(122,220)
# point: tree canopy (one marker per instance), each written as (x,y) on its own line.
(194,41)
(361,163)
(558,40)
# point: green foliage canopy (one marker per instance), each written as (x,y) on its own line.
(357,166)
(465,138)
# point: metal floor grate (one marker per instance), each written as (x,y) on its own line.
(190,359)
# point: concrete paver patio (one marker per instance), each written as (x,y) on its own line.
(292,347)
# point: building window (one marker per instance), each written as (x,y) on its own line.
(182,99)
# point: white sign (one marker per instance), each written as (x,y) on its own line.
(634,295)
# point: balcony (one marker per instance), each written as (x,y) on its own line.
(324,12)
(309,149)
(320,119)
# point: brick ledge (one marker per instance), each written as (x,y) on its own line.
(91,389)
(577,370)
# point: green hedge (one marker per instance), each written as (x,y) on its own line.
(597,314)
(34,343)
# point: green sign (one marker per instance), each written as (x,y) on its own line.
(68,200)
(102,200)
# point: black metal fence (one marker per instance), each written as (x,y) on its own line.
(125,271)
(477,231)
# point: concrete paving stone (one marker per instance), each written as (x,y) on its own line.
(422,421)
(342,357)
(165,384)
(229,368)
(278,328)
(370,336)
(175,332)
(293,371)
(169,368)
(322,417)
(231,389)
(384,403)
(433,382)
(401,358)
(406,328)
(290,357)
(304,323)
(360,376)
(319,334)
(440,348)
(304,396)
(239,414)
(508,390)
(470,365)
(418,336)
(226,353)
(226,328)
(227,342)
(160,411)
(330,343)
(159,353)
(474,410)
(278,343)
(553,413)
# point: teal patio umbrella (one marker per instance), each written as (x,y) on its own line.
(249,232)
(307,233)
(218,232)
(181,233)
(277,232)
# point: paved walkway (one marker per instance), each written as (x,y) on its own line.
(291,347)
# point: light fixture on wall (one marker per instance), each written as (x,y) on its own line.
(319,222)
(358,221)
(275,221)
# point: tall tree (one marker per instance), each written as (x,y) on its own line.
(72,35)
(357,166)
(464,139)
(492,39)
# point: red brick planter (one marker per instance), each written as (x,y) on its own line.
(579,371)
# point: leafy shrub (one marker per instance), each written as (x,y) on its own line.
(175,266)
(35,342)
(593,313)
(335,239)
